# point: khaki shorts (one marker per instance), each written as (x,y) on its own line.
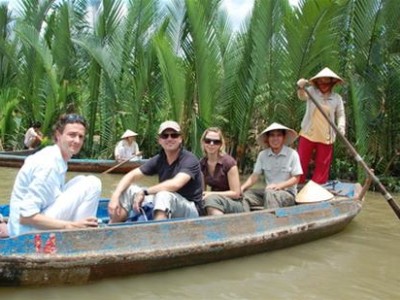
(173,204)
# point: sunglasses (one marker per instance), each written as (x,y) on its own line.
(164,136)
(73,118)
(213,142)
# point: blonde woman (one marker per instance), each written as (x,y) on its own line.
(220,174)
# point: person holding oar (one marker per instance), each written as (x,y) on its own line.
(127,148)
(316,135)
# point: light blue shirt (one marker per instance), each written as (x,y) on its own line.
(279,167)
(38,184)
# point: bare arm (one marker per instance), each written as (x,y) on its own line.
(114,208)
(249,182)
(170,185)
(45,222)
(285,184)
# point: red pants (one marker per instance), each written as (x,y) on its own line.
(323,159)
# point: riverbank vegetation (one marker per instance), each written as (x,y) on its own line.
(135,63)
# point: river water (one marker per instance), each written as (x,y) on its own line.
(361,262)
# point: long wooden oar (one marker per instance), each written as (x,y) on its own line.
(358,158)
(118,165)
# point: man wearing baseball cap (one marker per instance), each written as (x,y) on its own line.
(179,191)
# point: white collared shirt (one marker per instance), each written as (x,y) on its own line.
(38,183)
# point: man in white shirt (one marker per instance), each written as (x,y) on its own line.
(41,199)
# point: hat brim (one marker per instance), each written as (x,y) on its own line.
(327,73)
(290,137)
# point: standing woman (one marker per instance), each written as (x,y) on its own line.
(316,133)
(221,174)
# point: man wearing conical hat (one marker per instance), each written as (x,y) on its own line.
(316,135)
(280,166)
(127,148)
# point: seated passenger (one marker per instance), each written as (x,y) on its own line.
(280,166)
(179,191)
(127,148)
(33,136)
(40,197)
(221,174)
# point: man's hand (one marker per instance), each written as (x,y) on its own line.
(88,222)
(138,200)
(301,83)
(114,208)
(273,186)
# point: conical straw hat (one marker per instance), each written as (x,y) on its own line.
(326,72)
(313,192)
(290,136)
(128,133)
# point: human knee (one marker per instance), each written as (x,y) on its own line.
(94,182)
(163,200)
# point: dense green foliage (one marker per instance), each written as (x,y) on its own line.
(132,64)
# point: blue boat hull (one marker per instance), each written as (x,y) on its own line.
(81,256)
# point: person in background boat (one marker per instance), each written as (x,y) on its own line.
(33,136)
(220,173)
(179,191)
(316,134)
(280,166)
(127,148)
(40,197)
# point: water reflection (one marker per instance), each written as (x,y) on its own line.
(359,263)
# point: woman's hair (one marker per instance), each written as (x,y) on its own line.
(68,119)
(221,137)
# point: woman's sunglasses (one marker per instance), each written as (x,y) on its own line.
(213,142)
(164,136)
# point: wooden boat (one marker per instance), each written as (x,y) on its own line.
(80,256)
(15,159)
(24,152)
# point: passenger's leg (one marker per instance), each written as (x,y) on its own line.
(219,205)
(79,200)
(253,198)
(275,199)
(167,204)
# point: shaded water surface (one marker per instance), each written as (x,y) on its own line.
(362,262)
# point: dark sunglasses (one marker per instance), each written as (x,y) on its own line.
(211,141)
(164,136)
(74,118)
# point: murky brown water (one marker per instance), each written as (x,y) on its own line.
(362,262)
